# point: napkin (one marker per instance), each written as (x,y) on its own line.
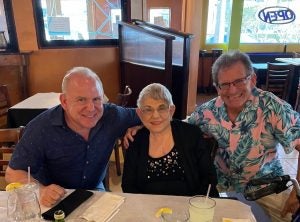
(235,220)
(104,208)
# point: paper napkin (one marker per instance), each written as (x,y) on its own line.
(104,208)
(235,220)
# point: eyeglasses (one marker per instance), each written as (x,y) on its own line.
(237,83)
(149,111)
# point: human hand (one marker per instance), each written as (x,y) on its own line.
(291,204)
(130,133)
(50,195)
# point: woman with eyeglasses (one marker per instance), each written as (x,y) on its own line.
(167,156)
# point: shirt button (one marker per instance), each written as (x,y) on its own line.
(84,177)
(87,162)
(88,146)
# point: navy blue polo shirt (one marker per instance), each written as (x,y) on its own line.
(58,155)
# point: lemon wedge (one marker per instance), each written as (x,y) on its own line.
(13,186)
(164,210)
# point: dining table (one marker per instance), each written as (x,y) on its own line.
(260,70)
(144,207)
(24,111)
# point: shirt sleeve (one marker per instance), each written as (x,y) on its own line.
(286,126)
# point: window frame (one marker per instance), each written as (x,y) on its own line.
(41,36)
(12,45)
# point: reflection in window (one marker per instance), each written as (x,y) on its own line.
(8,41)
(3,24)
(255,30)
(218,21)
(81,19)
(160,16)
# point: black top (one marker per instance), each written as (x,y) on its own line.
(193,155)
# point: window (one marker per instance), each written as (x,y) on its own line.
(252,25)
(218,21)
(160,16)
(270,21)
(8,41)
(78,22)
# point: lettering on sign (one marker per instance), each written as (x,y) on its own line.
(277,15)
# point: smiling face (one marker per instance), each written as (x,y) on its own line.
(83,103)
(237,95)
(155,114)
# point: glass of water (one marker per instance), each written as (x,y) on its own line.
(23,205)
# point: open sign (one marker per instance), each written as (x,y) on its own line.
(276,15)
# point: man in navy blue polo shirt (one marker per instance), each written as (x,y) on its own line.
(69,145)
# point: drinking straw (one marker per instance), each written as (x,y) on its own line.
(207,194)
(28,175)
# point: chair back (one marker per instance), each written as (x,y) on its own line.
(297,104)
(4,105)
(123,98)
(278,79)
(8,139)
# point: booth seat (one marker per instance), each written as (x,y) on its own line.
(264,57)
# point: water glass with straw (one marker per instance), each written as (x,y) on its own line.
(201,208)
(32,185)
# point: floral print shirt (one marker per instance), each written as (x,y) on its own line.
(248,148)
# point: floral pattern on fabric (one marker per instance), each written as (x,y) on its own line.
(248,148)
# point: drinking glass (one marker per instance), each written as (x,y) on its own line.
(201,209)
(23,205)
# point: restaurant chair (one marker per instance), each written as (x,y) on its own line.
(8,139)
(278,79)
(122,100)
(297,104)
(4,105)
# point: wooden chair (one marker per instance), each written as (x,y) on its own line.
(278,79)
(8,139)
(122,100)
(297,104)
(4,105)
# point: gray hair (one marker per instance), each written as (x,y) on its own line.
(155,91)
(83,72)
(228,59)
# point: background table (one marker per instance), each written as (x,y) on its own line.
(23,112)
(260,70)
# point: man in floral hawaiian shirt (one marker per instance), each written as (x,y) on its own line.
(248,124)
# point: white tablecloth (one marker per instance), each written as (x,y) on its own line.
(142,208)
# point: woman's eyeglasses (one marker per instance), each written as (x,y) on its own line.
(161,110)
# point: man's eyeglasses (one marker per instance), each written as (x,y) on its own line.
(149,111)
(237,83)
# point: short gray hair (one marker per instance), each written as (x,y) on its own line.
(155,91)
(80,71)
(228,59)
